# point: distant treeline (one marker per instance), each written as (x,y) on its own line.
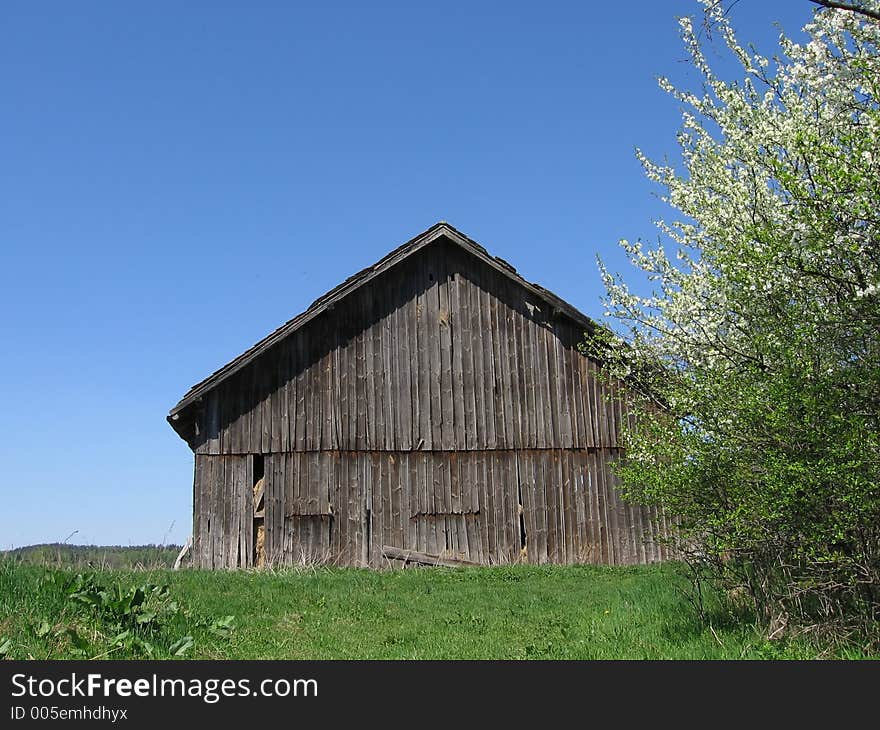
(95,556)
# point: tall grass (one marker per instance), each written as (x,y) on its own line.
(511,612)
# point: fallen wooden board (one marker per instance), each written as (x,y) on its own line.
(183,551)
(411,556)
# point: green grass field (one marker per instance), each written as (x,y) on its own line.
(514,612)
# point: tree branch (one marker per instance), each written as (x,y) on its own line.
(867,12)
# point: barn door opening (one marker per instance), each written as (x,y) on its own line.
(258,470)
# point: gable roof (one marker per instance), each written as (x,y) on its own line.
(438,231)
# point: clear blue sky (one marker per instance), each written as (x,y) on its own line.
(177,179)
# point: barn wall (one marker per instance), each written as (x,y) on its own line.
(558,506)
(438,409)
(223,512)
(441,353)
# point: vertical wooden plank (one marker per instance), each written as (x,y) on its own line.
(422,432)
(601,522)
(233,428)
(546,491)
(589,542)
(487,508)
(516,504)
(612,508)
(412,360)
(339,513)
(286,472)
(577,400)
(562,390)
(270,508)
(432,334)
(212,488)
(357,437)
(198,510)
(296,392)
(504,427)
(407,525)
(234,521)
(471,485)
(490,383)
(342,517)
(530,425)
(233,516)
(316,392)
(570,506)
(341,374)
(401,390)
(525,491)
(456,319)
(243,519)
(551,432)
(377,500)
(435,537)
(477,432)
(481,486)
(459,502)
(390,361)
(466,340)
(392,512)
(421,465)
(517,370)
(447,407)
(213,422)
(538,387)
(327,401)
(377,387)
(223,408)
(555,481)
(354,490)
(248,405)
(579,511)
(222,514)
(443,502)
(371,362)
(248,513)
(270,362)
(513,406)
(263,380)
(593,394)
(497,547)
(361,438)
(207,514)
(494,534)
(623,525)
(330,458)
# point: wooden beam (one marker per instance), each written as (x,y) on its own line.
(411,556)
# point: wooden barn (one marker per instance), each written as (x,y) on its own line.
(432,408)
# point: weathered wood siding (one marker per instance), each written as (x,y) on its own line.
(440,408)
(442,353)
(223,512)
(343,507)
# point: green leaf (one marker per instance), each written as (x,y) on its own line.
(145,617)
(222,626)
(181,646)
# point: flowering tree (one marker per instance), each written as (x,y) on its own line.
(762,337)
